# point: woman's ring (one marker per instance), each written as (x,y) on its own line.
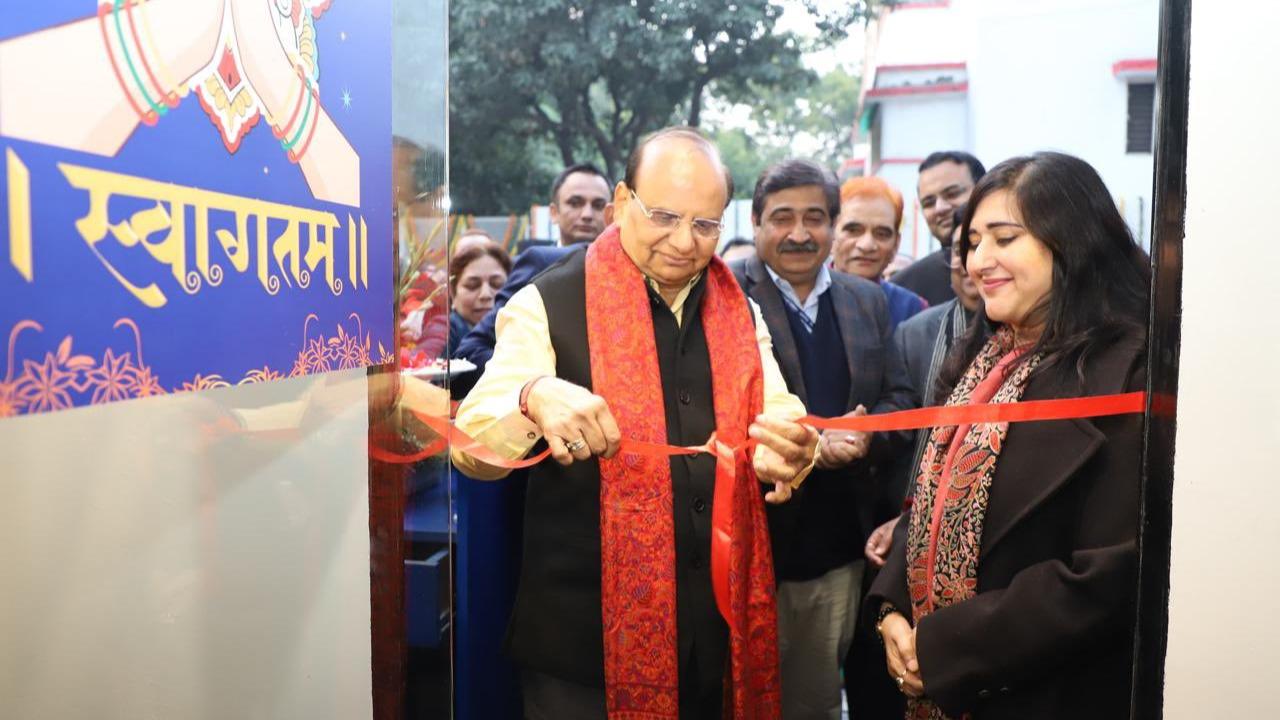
(575,445)
(901,679)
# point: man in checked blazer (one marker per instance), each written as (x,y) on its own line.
(832,340)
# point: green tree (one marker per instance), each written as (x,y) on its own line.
(745,157)
(814,120)
(538,84)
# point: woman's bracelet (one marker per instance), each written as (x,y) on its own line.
(886,610)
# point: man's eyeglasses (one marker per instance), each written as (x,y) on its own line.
(702,228)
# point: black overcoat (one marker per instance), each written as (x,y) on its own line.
(1049,633)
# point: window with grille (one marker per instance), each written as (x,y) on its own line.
(1140,129)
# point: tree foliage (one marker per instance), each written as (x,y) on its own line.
(539,84)
(814,121)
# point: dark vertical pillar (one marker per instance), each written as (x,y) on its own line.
(387,624)
(1170,192)
(386,557)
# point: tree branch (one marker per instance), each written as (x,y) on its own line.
(559,132)
(604,144)
(695,102)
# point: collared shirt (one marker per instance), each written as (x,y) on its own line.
(810,305)
(677,305)
(491,411)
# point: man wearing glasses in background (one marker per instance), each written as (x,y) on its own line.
(617,612)
(946,180)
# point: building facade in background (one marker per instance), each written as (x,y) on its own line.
(1000,78)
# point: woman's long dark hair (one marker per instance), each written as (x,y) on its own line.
(1101,278)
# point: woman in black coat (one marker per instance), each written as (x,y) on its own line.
(1010,592)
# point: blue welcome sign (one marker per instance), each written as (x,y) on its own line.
(193,194)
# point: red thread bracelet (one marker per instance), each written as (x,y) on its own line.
(524,396)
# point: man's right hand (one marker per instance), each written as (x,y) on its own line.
(570,416)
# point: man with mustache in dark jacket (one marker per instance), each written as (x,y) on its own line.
(831,336)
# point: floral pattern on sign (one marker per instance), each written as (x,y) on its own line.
(60,379)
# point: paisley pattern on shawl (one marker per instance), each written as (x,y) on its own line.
(637,534)
(953,484)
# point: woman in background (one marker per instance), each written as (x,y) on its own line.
(477,273)
(1011,591)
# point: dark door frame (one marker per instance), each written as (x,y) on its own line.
(1168,212)
(1164,341)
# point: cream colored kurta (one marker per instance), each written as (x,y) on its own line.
(491,412)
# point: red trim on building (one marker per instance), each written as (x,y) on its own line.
(852,163)
(938,5)
(1139,65)
(918,90)
(921,66)
(901,161)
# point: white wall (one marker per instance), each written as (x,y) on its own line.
(154,567)
(1040,78)
(1224,642)
(911,128)
(914,231)
(915,36)
(914,126)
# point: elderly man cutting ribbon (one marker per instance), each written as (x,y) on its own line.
(645,335)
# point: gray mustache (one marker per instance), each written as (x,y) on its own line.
(808,246)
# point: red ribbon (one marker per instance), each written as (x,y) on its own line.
(1025,411)
(727,460)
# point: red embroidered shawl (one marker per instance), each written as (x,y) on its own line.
(637,535)
(952,492)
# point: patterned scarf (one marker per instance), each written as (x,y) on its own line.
(637,533)
(953,327)
(952,491)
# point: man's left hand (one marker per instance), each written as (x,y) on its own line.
(787,449)
(880,543)
(842,447)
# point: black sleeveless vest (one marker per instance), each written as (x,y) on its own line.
(556,625)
